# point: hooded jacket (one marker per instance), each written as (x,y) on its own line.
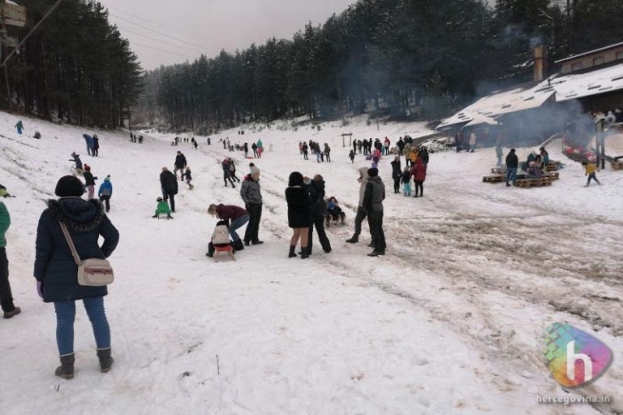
(316,194)
(55,266)
(363,173)
(396,170)
(418,171)
(512,161)
(250,190)
(105,188)
(180,161)
(220,236)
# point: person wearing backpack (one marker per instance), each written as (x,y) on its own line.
(56,270)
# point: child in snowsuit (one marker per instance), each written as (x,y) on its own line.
(590,170)
(162,207)
(76,159)
(351,156)
(188,176)
(220,237)
(105,192)
(334,211)
(406,181)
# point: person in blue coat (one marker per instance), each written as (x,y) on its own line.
(89,140)
(56,270)
(19,126)
(105,192)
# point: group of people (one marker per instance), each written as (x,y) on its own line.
(93,144)
(232,217)
(314,147)
(105,190)
(135,138)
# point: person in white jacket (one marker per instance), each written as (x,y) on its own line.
(220,237)
(472,141)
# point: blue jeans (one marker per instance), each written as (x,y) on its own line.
(235,224)
(66,315)
(511,174)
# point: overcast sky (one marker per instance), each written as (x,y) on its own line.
(167,32)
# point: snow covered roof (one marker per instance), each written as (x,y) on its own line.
(591,83)
(497,104)
(590,52)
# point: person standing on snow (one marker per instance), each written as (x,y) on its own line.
(19,126)
(105,192)
(373,204)
(180,164)
(512,164)
(472,141)
(396,173)
(418,171)
(89,181)
(89,142)
(96,145)
(251,195)
(299,213)
(361,211)
(316,191)
(168,182)
(56,269)
(6,297)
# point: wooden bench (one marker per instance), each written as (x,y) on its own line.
(543,181)
(551,167)
(494,178)
(616,165)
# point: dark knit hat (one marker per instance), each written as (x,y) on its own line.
(69,186)
(373,172)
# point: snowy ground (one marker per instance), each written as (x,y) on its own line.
(447,323)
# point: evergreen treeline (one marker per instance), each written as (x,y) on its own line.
(75,67)
(395,56)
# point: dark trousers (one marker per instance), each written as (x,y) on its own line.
(226,177)
(376,229)
(361,215)
(318,222)
(592,177)
(170,196)
(253,227)
(6,298)
(397,185)
(105,199)
(419,186)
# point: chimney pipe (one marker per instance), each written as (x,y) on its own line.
(540,63)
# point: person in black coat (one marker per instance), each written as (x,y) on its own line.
(316,191)
(299,213)
(424,155)
(180,164)
(168,182)
(512,163)
(396,173)
(56,270)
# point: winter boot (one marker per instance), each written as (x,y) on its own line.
(353,240)
(305,252)
(238,245)
(292,254)
(66,369)
(106,359)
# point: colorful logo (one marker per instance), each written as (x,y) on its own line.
(573,356)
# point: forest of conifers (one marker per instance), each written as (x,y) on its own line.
(75,67)
(386,57)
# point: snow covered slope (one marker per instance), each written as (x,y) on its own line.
(447,323)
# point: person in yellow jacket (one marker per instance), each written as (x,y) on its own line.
(590,169)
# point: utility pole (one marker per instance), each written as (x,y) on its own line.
(11,14)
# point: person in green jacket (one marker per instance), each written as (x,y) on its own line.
(6,298)
(163,207)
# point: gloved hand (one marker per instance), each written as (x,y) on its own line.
(40,288)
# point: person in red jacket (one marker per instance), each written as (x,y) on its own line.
(418,171)
(238,217)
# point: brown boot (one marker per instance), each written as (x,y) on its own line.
(106,359)
(66,369)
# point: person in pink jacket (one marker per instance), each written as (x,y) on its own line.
(418,171)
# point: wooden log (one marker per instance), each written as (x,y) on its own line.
(494,178)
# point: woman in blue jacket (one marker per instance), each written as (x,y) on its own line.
(57,273)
